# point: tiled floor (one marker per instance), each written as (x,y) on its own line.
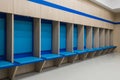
(106,67)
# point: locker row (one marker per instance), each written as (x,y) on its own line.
(26,40)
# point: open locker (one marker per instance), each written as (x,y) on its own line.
(78,37)
(87,43)
(102,40)
(49,32)
(66,41)
(75,38)
(102,37)
(111,41)
(78,40)
(6,58)
(90,41)
(107,35)
(24,40)
(95,40)
(108,43)
(87,37)
(111,38)
(46,37)
(3,35)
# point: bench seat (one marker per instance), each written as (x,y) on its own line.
(51,56)
(66,54)
(5,64)
(28,60)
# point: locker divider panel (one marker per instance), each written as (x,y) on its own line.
(37,36)
(96,37)
(111,37)
(93,37)
(56,38)
(69,45)
(88,37)
(10,37)
(102,37)
(81,37)
(106,37)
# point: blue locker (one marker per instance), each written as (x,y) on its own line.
(75,37)
(46,36)
(23,36)
(46,41)
(63,36)
(4,63)
(2,36)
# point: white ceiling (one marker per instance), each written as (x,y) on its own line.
(113,5)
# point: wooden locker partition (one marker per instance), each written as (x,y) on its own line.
(106,37)
(10,37)
(102,37)
(37,35)
(66,36)
(96,37)
(80,37)
(69,37)
(89,37)
(111,38)
(91,40)
(55,39)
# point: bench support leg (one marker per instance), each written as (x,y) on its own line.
(39,66)
(108,51)
(100,52)
(97,53)
(12,72)
(59,61)
(112,50)
(91,55)
(104,52)
(71,59)
(83,56)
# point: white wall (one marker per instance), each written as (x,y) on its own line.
(112,5)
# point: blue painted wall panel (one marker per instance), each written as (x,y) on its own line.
(2,36)
(75,37)
(46,36)
(23,37)
(63,36)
